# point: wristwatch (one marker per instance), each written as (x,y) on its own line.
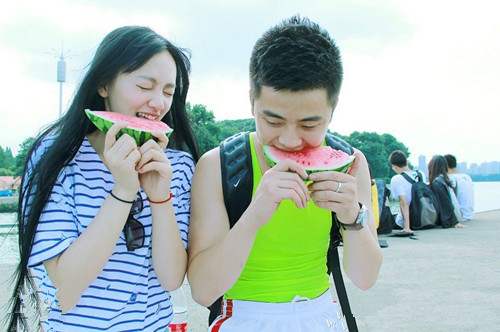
(360,221)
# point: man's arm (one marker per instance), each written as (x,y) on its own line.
(362,255)
(405,211)
(216,256)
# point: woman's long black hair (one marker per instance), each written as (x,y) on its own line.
(438,166)
(124,50)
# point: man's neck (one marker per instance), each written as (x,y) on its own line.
(404,169)
(453,171)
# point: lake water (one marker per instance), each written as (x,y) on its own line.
(487,197)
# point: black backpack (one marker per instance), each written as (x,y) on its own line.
(386,219)
(424,205)
(237,185)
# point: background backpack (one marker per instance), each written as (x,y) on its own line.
(237,186)
(386,219)
(424,205)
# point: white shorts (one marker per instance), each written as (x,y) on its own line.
(299,315)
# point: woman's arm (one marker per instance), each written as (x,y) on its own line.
(79,265)
(169,254)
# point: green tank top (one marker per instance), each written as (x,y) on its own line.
(288,257)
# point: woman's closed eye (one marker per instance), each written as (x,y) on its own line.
(168,93)
(144,87)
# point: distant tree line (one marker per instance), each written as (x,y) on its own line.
(376,147)
(13,166)
(209,133)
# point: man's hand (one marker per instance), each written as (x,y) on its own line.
(337,192)
(283,181)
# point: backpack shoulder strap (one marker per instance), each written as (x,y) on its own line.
(338,144)
(236,172)
(332,258)
(420,176)
(237,185)
(408,178)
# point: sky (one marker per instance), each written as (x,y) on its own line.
(426,72)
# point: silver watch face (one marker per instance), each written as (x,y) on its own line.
(360,221)
(363,216)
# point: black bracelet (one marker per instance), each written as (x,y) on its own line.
(119,199)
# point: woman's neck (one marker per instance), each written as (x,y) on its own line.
(96,139)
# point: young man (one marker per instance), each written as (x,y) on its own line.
(464,188)
(271,266)
(401,189)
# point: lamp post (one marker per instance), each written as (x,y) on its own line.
(61,78)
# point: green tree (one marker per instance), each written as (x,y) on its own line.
(6,172)
(205,128)
(6,161)
(20,159)
(231,127)
(392,144)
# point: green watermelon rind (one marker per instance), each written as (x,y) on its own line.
(341,168)
(140,136)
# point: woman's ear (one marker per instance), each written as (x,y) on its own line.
(103,91)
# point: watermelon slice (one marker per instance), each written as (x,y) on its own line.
(318,159)
(138,128)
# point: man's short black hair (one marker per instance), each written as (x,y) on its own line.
(451,160)
(296,55)
(398,158)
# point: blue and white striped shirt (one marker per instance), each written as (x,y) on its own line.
(127,295)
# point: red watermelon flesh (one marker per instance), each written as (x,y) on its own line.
(138,128)
(317,159)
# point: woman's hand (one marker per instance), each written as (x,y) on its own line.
(154,168)
(121,157)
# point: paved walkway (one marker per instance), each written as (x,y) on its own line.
(446,280)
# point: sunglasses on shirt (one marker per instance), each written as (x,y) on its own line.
(133,229)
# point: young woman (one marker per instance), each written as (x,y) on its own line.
(442,187)
(103,222)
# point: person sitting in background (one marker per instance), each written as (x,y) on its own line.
(464,188)
(442,187)
(401,189)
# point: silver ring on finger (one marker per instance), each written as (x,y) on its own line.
(339,185)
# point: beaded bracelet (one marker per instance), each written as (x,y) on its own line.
(161,202)
(119,199)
